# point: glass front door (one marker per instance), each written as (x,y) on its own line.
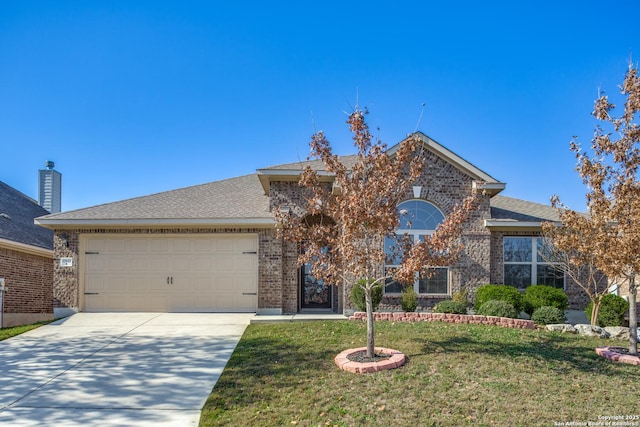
(314,293)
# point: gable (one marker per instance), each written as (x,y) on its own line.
(292,171)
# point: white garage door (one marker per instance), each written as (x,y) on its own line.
(171,273)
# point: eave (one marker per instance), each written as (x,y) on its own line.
(29,249)
(511,225)
(57,224)
(287,175)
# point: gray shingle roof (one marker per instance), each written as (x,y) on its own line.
(235,198)
(316,165)
(243,199)
(17,212)
(508,208)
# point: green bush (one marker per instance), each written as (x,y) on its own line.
(536,296)
(461,296)
(547,315)
(358,299)
(612,311)
(409,300)
(450,306)
(499,292)
(498,308)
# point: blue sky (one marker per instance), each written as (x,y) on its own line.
(133,98)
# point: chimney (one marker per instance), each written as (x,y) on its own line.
(50,188)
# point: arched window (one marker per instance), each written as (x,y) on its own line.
(418,218)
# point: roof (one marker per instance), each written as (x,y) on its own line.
(234,201)
(316,165)
(17,212)
(244,201)
(508,212)
(291,171)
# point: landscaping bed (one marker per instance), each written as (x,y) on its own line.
(447,317)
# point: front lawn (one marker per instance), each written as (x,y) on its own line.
(284,374)
(17,330)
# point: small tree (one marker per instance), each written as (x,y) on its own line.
(343,228)
(570,246)
(610,172)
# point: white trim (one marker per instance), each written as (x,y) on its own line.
(267,175)
(155,222)
(23,247)
(512,224)
(534,263)
(491,188)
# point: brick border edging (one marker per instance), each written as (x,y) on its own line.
(611,354)
(447,317)
(396,360)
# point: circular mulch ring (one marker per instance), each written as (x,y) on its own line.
(618,354)
(348,360)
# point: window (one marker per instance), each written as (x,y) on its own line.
(522,268)
(417,220)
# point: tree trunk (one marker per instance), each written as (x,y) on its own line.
(595,311)
(370,331)
(633,317)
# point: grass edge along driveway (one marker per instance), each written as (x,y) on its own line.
(284,374)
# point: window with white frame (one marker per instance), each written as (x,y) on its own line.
(525,263)
(418,219)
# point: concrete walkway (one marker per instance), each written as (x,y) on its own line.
(116,369)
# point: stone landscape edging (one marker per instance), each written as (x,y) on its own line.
(475,319)
(611,354)
(396,360)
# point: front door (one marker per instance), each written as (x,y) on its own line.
(314,293)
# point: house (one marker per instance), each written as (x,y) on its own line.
(212,247)
(26,260)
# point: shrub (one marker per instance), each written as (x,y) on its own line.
(357,296)
(547,315)
(450,306)
(409,300)
(612,311)
(499,292)
(461,296)
(498,308)
(537,296)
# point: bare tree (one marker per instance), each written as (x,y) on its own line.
(342,232)
(610,172)
(569,245)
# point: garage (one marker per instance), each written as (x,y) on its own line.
(170,273)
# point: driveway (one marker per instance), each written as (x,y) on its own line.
(116,369)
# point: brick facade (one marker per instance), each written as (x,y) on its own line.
(28,280)
(442,183)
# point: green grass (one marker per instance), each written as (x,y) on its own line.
(17,330)
(456,375)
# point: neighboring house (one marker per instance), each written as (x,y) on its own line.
(212,247)
(26,260)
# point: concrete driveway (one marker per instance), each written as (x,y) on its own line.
(116,369)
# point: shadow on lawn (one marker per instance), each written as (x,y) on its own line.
(277,364)
(542,347)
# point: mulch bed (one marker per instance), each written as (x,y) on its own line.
(361,357)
